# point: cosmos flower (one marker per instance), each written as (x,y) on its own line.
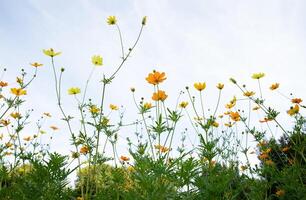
(258,75)
(156,77)
(113,107)
(274,86)
(220,86)
(18,91)
(124,158)
(199,86)
(74,90)
(36,64)
(97,60)
(160,95)
(50,52)
(111,20)
(248,93)
(183,104)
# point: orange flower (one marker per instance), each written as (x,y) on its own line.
(54,128)
(8,145)
(147,106)
(84,150)
(3,84)
(36,64)
(263,156)
(215,124)
(15,115)
(18,91)
(235,116)
(274,86)
(285,149)
(199,86)
(156,77)
(265,120)
(293,110)
(5,122)
(124,158)
(160,95)
(296,100)
(232,103)
(248,93)
(220,86)
(27,138)
(280,192)
(161,148)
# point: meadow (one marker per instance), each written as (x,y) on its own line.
(233,157)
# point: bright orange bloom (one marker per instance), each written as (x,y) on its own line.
(3,84)
(199,86)
(280,192)
(248,93)
(296,100)
(293,110)
(263,156)
(160,95)
(18,91)
(84,150)
(161,148)
(274,86)
(36,64)
(235,116)
(124,158)
(265,120)
(156,77)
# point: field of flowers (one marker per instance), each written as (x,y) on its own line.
(233,156)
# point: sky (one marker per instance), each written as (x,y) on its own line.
(200,40)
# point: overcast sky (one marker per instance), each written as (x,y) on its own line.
(195,40)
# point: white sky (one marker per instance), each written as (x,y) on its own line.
(190,41)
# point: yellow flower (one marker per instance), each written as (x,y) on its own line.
(16,115)
(94,109)
(27,138)
(274,86)
(232,103)
(215,124)
(18,91)
(36,64)
(8,145)
(144,20)
(293,110)
(183,104)
(161,148)
(230,124)
(147,106)
(243,167)
(74,91)
(235,116)
(248,93)
(113,107)
(97,60)
(19,80)
(50,52)
(54,128)
(160,95)
(111,20)
(3,84)
(220,86)
(84,150)
(124,158)
(280,192)
(156,77)
(256,108)
(199,86)
(285,149)
(5,122)
(258,75)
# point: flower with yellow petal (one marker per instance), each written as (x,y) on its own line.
(280,192)
(248,93)
(15,115)
(161,148)
(232,103)
(293,110)
(111,20)
(8,145)
(199,86)
(1,136)
(274,86)
(256,108)
(18,91)
(5,122)
(285,149)
(183,104)
(235,116)
(215,124)
(54,128)
(3,84)
(124,158)
(36,64)
(74,90)
(243,167)
(147,106)
(97,60)
(113,107)
(258,75)
(230,124)
(265,120)
(27,138)
(50,52)
(156,77)
(94,109)
(263,156)
(160,95)
(84,149)
(220,86)
(296,100)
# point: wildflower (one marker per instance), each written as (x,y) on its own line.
(220,86)
(156,77)
(79,198)
(18,91)
(47,114)
(54,128)
(113,107)
(280,192)
(265,120)
(74,90)
(84,149)
(199,86)
(124,158)
(230,124)
(296,100)
(144,20)
(248,93)
(36,64)
(15,115)
(258,75)
(147,106)
(131,169)
(8,145)
(285,149)
(262,143)
(104,121)
(111,20)
(235,116)
(293,110)
(269,162)
(97,60)
(160,95)
(198,118)
(5,122)
(220,116)
(75,154)
(50,52)
(243,167)
(268,150)
(3,84)
(19,80)
(274,86)
(161,148)
(256,108)
(183,104)
(27,138)
(232,103)
(94,109)
(215,124)
(263,156)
